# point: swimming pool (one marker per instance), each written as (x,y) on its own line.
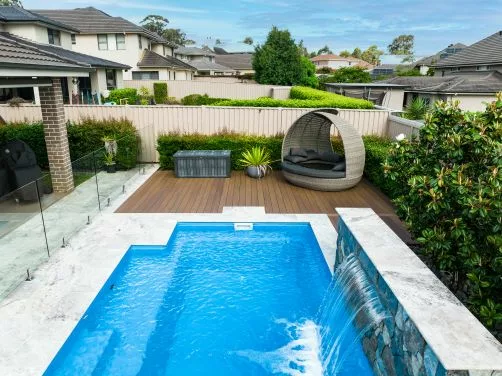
(213,301)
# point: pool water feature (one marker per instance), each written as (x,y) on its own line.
(220,301)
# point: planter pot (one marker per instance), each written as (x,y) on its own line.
(254,172)
(110,168)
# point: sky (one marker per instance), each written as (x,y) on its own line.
(339,24)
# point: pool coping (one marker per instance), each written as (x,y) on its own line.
(39,315)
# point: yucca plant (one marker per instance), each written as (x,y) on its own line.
(257,161)
(416,109)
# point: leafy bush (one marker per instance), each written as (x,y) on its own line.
(301,97)
(448,188)
(324,70)
(170,143)
(348,75)
(83,138)
(200,100)
(160,92)
(416,110)
(126,93)
(377,151)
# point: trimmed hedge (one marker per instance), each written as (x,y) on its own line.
(126,93)
(170,143)
(83,138)
(377,151)
(160,92)
(301,97)
(200,100)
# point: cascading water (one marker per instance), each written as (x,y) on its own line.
(349,309)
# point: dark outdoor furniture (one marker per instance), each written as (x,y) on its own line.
(202,164)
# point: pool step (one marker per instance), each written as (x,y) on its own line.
(242,226)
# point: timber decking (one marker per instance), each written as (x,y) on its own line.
(164,193)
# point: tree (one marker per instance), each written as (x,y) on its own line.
(218,42)
(303,50)
(248,40)
(324,50)
(155,23)
(177,37)
(356,53)
(279,61)
(372,55)
(348,75)
(16,3)
(345,53)
(403,46)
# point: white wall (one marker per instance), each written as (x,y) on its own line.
(36,33)
(472,102)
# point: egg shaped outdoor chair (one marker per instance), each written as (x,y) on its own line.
(312,132)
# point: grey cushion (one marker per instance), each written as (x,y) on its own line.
(339,167)
(312,154)
(315,173)
(330,157)
(298,151)
(294,158)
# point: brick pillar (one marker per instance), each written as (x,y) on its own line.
(51,102)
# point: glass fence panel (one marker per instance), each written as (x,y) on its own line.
(23,245)
(73,210)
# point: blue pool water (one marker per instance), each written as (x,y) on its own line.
(213,301)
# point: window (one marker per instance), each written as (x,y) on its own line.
(73,39)
(164,50)
(145,75)
(174,75)
(454,69)
(102,41)
(120,40)
(140,44)
(111,79)
(54,37)
(482,67)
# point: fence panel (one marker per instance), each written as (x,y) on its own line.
(399,125)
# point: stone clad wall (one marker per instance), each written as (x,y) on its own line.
(395,346)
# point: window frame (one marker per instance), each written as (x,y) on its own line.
(140,42)
(114,80)
(141,75)
(123,43)
(54,37)
(73,39)
(101,42)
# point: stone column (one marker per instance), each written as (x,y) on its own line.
(56,139)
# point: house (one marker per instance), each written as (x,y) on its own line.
(202,59)
(482,56)
(240,62)
(116,39)
(471,89)
(427,62)
(334,62)
(26,29)
(383,70)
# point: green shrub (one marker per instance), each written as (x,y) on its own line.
(170,143)
(160,92)
(84,138)
(377,151)
(200,100)
(448,188)
(126,93)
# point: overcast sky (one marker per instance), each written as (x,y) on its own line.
(339,24)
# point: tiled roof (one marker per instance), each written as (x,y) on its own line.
(209,66)
(460,82)
(193,51)
(17,14)
(16,53)
(237,61)
(431,60)
(93,21)
(93,61)
(333,57)
(486,51)
(151,59)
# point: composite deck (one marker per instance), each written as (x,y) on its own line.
(164,193)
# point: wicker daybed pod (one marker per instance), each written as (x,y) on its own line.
(308,159)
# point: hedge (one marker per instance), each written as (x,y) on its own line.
(83,138)
(301,97)
(377,151)
(200,100)
(126,93)
(169,144)
(160,92)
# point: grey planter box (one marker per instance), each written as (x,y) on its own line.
(202,163)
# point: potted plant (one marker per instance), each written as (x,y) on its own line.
(257,162)
(111,152)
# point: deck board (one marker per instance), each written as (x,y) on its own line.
(164,193)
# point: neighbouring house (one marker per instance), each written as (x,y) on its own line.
(383,70)
(116,39)
(334,62)
(388,95)
(202,59)
(26,29)
(158,67)
(482,56)
(427,62)
(240,62)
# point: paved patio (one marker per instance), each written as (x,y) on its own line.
(164,193)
